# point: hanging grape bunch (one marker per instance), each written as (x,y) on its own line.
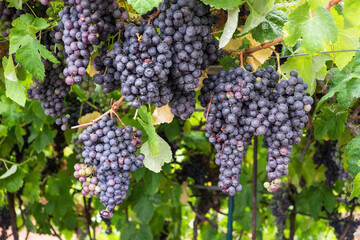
(109,155)
(242,104)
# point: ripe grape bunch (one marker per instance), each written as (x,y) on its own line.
(53,90)
(109,155)
(241,104)
(84,24)
(185,25)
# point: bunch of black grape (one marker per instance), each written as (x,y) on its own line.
(110,153)
(4,222)
(241,104)
(84,24)
(186,26)
(194,168)
(144,66)
(108,77)
(328,154)
(278,206)
(8,14)
(342,225)
(51,92)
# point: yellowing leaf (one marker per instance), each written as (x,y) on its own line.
(258,58)
(204,75)
(184,197)
(162,115)
(87,118)
(234,44)
(90,70)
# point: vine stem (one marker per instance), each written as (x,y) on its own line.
(14,228)
(114,106)
(330,4)
(254,192)
(153,16)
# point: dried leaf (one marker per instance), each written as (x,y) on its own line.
(162,115)
(204,75)
(258,58)
(87,118)
(184,197)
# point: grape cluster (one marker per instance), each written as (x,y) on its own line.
(278,206)
(341,225)
(193,168)
(87,176)
(185,25)
(84,24)
(112,153)
(328,154)
(241,104)
(144,66)
(8,14)
(108,77)
(53,90)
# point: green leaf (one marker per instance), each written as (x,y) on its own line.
(15,3)
(351,13)
(43,139)
(28,55)
(53,187)
(328,198)
(271,27)
(330,121)
(15,91)
(32,186)
(9,172)
(258,11)
(153,141)
(155,163)
(132,233)
(356,190)
(315,31)
(230,27)
(176,192)
(347,89)
(353,150)
(9,72)
(144,209)
(347,39)
(229,4)
(14,182)
(143,6)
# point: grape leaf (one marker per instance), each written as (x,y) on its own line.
(154,163)
(43,139)
(258,11)
(330,121)
(9,172)
(15,91)
(315,31)
(353,150)
(351,13)
(356,190)
(230,27)
(144,209)
(15,3)
(132,233)
(229,4)
(32,186)
(162,115)
(143,6)
(347,39)
(146,123)
(27,47)
(271,27)
(347,89)
(10,73)
(14,182)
